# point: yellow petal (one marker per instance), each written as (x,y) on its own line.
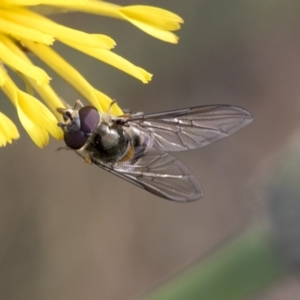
(70,74)
(11,59)
(115,60)
(154,16)
(161,34)
(36,118)
(106,102)
(45,90)
(89,6)
(46,2)
(50,98)
(21,31)
(155,21)
(98,99)
(30,19)
(2,80)
(37,134)
(38,113)
(8,130)
(22,2)
(66,71)
(3,140)
(9,88)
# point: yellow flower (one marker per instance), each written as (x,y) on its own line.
(24,27)
(152,20)
(8,130)
(35,117)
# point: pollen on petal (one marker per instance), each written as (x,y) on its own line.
(8,130)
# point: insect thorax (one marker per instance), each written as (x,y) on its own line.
(108,143)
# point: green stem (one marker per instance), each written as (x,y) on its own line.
(243,267)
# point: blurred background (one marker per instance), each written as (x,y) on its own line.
(69,230)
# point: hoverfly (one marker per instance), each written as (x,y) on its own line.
(135,146)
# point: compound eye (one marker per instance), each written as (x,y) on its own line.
(89,119)
(75,140)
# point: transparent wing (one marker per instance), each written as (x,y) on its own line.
(162,175)
(191,128)
(151,168)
